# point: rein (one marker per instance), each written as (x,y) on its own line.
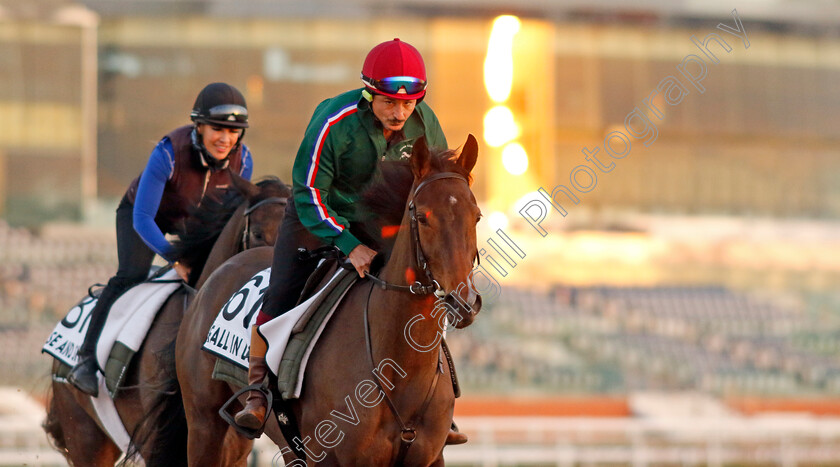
(246,234)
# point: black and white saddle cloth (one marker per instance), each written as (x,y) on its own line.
(291,336)
(128,322)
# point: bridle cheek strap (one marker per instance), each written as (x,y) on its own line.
(246,234)
(419,256)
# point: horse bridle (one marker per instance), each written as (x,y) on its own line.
(417,287)
(246,234)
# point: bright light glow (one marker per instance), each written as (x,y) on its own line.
(499,126)
(497,220)
(515,159)
(498,65)
(520,204)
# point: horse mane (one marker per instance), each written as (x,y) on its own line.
(205,222)
(385,199)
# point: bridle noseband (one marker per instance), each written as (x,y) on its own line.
(246,234)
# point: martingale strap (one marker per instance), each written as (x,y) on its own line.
(407,432)
(456,387)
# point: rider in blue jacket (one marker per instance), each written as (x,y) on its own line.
(188,164)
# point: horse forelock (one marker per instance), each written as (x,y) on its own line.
(386,197)
(447,161)
(271,187)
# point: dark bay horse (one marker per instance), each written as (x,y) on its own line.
(247,217)
(380,345)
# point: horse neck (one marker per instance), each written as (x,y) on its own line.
(227,245)
(391,312)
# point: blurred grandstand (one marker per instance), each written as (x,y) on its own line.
(41,276)
(616,340)
(565,339)
(566,374)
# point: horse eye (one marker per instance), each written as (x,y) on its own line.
(478,218)
(422,219)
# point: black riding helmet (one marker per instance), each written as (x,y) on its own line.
(220,104)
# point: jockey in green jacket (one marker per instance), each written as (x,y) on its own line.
(345,139)
(337,158)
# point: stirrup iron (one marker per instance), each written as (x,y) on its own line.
(246,432)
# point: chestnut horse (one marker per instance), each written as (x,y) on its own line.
(248,217)
(385,340)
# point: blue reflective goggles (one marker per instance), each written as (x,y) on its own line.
(393,84)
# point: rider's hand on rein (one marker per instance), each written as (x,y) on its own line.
(361,257)
(183,271)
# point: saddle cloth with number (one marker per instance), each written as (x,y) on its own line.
(291,336)
(129,320)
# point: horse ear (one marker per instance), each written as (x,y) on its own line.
(469,153)
(246,188)
(420,158)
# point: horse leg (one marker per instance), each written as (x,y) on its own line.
(206,435)
(211,443)
(208,443)
(85,444)
(237,448)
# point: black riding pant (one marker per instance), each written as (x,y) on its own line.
(135,260)
(288,272)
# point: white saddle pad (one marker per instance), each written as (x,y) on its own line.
(230,334)
(128,322)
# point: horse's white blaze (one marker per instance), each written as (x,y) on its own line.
(452,200)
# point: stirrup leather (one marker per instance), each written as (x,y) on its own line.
(246,432)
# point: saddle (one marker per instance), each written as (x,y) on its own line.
(336,282)
(124,332)
(288,357)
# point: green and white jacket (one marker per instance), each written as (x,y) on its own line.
(337,159)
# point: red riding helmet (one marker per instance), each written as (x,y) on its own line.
(395,69)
